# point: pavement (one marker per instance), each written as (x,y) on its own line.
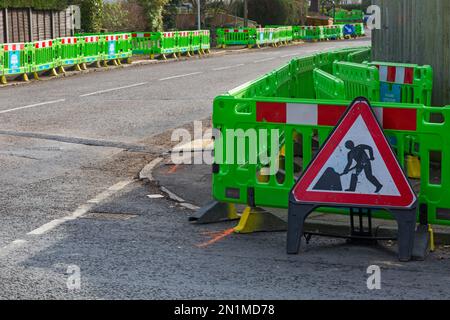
(71,154)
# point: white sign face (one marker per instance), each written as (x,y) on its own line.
(360,165)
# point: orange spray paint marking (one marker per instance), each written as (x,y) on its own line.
(219,236)
(173,169)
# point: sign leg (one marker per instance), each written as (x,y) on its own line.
(406,221)
(297,215)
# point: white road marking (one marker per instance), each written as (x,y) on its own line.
(228,67)
(264,60)
(113,89)
(291,54)
(33,105)
(146,173)
(180,76)
(81,210)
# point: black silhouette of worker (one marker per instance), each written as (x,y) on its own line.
(363,163)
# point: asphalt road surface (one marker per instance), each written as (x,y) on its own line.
(70,151)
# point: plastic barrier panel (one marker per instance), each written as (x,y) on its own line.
(92,49)
(143,43)
(15,58)
(360,80)
(205,43)
(360,56)
(44,56)
(328,86)
(415,82)
(184,41)
(69,51)
(236,36)
(195,41)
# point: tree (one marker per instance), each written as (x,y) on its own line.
(276,12)
(154,13)
(91,14)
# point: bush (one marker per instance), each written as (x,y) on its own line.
(35,4)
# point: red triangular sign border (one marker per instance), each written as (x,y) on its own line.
(405,200)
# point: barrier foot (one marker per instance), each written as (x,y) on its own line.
(297,215)
(62,70)
(406,221)
(164,57)
(128,61)
(105,63)
(53,72)
(175,56)
(215,212)
(115,62)
(77,67)
(188,54)
(152,57)
(36,76)
(83,66)
(98,64)
(25,77)
(259,220)
(119,62)
(3,80)
(208,51)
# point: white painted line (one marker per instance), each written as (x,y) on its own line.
(172,195)
(113,89)
(81,210)
(12,246)
(263,60)
(180,76)
(290,55)
(33,105)
(155,196)
(228,67)
(189,206)
(146,173)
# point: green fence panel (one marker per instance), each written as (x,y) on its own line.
(165,43)
(236,36)
(195,37)
(261,37)
(15,59)
(332,32)
(360,56)
(205,43)
(328,86)
(343,16)
(184,41)
(142,43)
(312,33)
(69,51)
(360,80)
(92,48)
(43,56)
(406,83)
(2,52)
(117,46)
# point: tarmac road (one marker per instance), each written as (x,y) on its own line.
(69,152)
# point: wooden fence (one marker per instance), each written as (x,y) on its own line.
(26,25)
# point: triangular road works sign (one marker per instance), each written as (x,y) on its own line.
(356,167)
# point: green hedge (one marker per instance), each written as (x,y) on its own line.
(36,4)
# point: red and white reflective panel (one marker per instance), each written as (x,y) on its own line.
(69,40)
(168,34)
(399,75)
(356,167)
(14,46)
(91,39)
(183,33)
(125,37)
(112,38)
(43,44)
(236,30)
(141,35)
(329,115)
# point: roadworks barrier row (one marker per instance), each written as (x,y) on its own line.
(303,101)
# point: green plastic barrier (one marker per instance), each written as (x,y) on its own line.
(15,60)
(164,43)
(328,86)
(344,17)
(360,80)
(239,179)
(360,56)
(116,47)
(184,42)
(43,56)
(406,83)
(195,37)
(312,33)
(1,61)
(142,43)
(332,32)
(69,52)
(236,36)
(205,43)
(92,49)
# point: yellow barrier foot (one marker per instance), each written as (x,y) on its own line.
(119,62)
(54,72)
(115,62)
(62,70)
(413,167)
(3,80)
(25,77)
(152,57)
(98,64)
(258,220)
(175,56)
(432,244)
(83,66)
(164,57)
(36,76)
(77,67)
(215,212)
(105,63)
(188,54)
(128,61)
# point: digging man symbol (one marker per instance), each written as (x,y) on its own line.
(363,163)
